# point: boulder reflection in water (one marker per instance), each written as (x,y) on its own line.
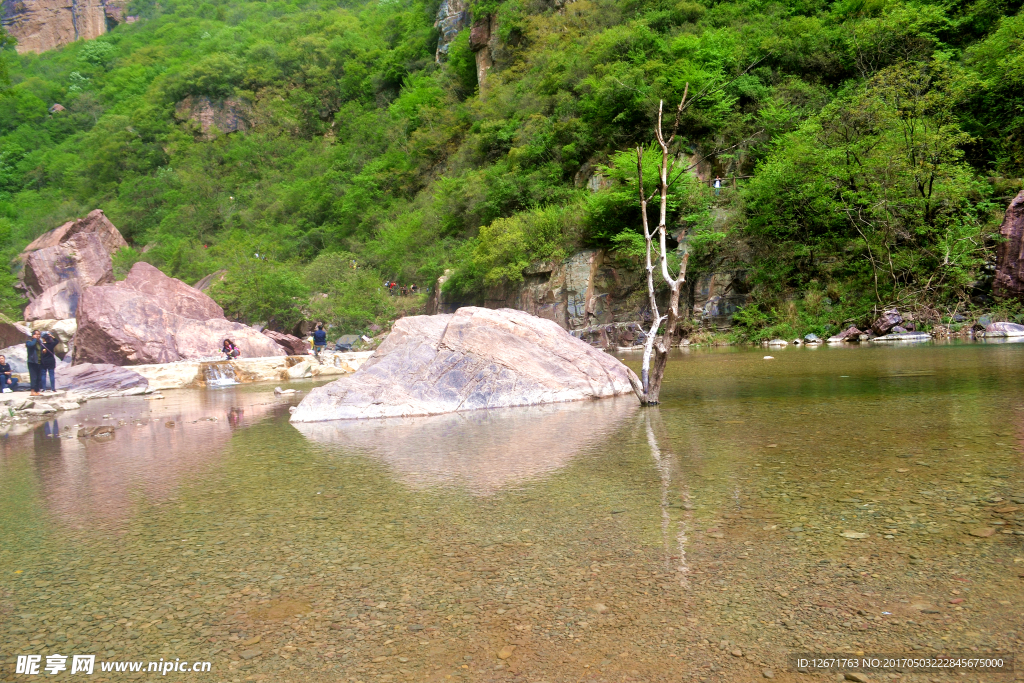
(483,450)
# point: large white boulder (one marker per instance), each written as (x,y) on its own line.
(474,358)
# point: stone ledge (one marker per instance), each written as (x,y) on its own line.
(202,373)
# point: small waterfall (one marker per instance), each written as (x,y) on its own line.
(219,374)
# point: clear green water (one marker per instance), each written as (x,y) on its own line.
(595,542)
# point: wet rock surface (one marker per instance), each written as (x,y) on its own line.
(712,558)
(472,359)
(152,318)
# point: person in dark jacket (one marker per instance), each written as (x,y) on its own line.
(34,345)
(5,375)
(48,361)
(319,340)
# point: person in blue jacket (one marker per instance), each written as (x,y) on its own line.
(319,340)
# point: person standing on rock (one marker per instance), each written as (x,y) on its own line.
(34,345)
(319,340)
(48,361)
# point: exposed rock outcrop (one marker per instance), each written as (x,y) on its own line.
(590,289)
(41,25)
(475,358)
(227,116)
(452,17)
(1009,278)
(153,318)
(850,334)
(483,38)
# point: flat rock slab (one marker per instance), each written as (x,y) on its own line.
(474,358)
(100,379)
(904,337)
(1004,330)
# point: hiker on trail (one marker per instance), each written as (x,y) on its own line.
(7,383)
(230,350)
(319,340)
(48,361)
(718,185)
(392,290)
(34,370)
(403,291)
(412,288)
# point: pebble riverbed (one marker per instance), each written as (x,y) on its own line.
(826,501)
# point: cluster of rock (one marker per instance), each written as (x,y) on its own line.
(152,318)
(890,326)
(475,358)
(147,318)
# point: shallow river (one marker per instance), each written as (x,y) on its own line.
(702,540)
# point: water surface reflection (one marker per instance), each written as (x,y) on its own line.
(483,450)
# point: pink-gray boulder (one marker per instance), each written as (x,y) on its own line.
(100,379)
(94,223)
(850,334)
(1009,279)
(81,257)
(1004,329)
(78,250)
(58,302)
(152,318)
(290,343)
(474,358)
(885,322)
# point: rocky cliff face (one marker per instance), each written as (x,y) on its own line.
(599,301)
(40,25)
(1009,280)
(452,17)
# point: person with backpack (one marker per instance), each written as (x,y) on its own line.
(34,345)
(48,361)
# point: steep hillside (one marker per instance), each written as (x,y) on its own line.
(873,144)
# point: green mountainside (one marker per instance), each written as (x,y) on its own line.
(876,143)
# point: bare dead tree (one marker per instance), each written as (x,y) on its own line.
(648,386)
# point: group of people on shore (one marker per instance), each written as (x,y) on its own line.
(394,288)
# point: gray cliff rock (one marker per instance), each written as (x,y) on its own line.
(475,358)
